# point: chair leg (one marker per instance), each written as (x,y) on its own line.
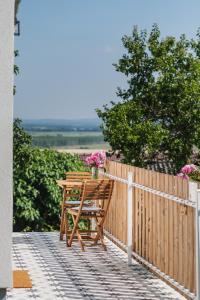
(75,230)
(99,235)
(66,226)
(102,238)
(62,225)
(62,230)
(75,221)
(80,240)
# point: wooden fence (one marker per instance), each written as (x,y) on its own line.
(163,230)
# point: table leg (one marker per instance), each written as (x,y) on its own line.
(62,224)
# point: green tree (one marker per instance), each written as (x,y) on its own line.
(20,137)
(159,111)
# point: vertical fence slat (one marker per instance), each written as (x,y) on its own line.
(154,221)
(136,198)
(150,222)
(162,225)
(171,228)
(140,215)
(143,217)
(130,218)
(158,235)
(166,232)
(147,217)
(185,238)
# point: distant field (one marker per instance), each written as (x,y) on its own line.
(69,140)
(81,151)
(66,133)
(102,146)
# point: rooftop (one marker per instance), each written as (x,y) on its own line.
(58,272)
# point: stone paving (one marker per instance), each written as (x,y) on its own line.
(58,272)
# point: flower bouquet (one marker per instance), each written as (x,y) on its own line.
(95,161)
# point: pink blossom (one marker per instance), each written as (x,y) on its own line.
(96,159)
(187,169)
(103,155)
(183,176)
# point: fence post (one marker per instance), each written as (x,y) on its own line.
(198,244)
(130,218)
(194,196)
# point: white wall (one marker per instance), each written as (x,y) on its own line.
(6,116)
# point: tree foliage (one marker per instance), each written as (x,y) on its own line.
(159,112)
(37,197)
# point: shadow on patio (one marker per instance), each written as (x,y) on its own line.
(58,272)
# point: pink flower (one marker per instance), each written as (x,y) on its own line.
(96,159)
(187,169)
(183,176)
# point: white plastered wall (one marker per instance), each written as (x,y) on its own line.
(6,136)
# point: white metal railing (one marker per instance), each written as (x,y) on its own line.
(193,201)
(153,191)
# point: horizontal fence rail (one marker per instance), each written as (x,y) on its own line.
(155,192)
(161,223)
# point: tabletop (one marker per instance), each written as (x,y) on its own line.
(68,183)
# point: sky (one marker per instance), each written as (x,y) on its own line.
(67,48)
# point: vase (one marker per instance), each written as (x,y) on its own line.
(95,173)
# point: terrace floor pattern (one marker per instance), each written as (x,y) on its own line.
(58,272)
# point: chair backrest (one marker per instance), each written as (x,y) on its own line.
(78,176)
(99,190)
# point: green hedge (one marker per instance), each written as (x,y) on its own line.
(36,195)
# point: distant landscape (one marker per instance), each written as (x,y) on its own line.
(66,134)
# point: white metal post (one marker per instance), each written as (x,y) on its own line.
(194,196)
(130,218)
(198,245)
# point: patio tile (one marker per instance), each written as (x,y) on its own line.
(58,272)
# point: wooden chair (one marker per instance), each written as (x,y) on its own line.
(71,197)
(99,192)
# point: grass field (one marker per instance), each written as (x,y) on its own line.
(66,133)
(103,146)
(69,140)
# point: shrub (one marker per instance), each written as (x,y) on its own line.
(37,197)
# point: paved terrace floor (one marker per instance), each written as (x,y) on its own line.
(58,272)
